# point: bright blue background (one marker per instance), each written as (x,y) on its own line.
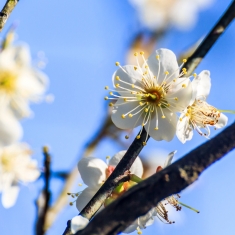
(82,40)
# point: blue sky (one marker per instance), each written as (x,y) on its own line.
(82,40)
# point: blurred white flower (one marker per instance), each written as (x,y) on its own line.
(20,83)
(10,128)
(151,95)
(16,166)
(159,14)
(95,171)
(78,223)
(199,114)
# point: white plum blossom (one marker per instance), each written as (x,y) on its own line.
(10,128)
(151,95)
(95,171)
(78,223)
(20,82)
(199,115)
(159,14)
(16,166)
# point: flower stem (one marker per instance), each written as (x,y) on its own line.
(189,207)
(135,178)
(226,111)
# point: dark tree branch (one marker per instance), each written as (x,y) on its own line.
(195,59)
(137,145)
(6,11)
(169,181)
(119,179)
(44,198)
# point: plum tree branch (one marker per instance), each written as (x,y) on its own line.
(6,11)
(137,145)
(169,181)
(195,59)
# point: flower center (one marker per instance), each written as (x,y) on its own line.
(7,81)
(203,114)
(6,163)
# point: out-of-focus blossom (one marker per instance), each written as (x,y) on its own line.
(151,95)
(20,83)
(78,223)
(159,14)
(10,128)
(16,166)
(199,115)
(95,171)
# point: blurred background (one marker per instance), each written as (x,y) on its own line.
(80,41)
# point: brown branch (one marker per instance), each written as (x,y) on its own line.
(146,195)
(119,179)
(6,11)
(209,41)
(44,198)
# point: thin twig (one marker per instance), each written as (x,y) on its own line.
(170,180)
(44,198)
(6,11)
(209,41)
(106,130)
(95,203)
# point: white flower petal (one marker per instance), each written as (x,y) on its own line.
(169,158)
(201,85)
(184,130)
(29,172)
(93,171)
(132,227)
(222,121)
(119,110)
(10,128)
(9,195)
(168,62)
(142,222)
(136,168)
(166,126)
(129,75)
(78,223)
(184,95)
(85,197)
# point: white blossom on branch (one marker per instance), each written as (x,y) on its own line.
(150,95)
(199,115)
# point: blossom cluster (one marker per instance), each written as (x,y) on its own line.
(20,84)
(160,97)
(155,94)
(94,172)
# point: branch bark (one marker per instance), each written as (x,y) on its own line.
(211,38)
(169,181)
(44,198)
(6,11)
